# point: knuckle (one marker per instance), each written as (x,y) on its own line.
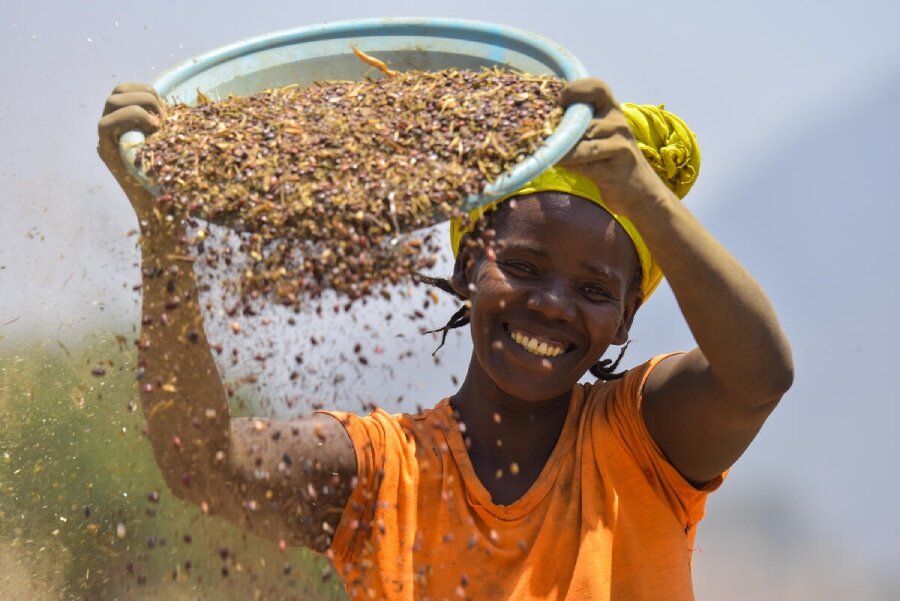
(104,124)
(587,151)
(624,131)
(624,149)
(109,106)
(601,128)
(617,117)
(596,84)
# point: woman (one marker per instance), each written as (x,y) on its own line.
(523,484)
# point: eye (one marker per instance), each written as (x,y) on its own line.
(597,291)
(518,267)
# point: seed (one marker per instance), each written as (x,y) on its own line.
(327,181)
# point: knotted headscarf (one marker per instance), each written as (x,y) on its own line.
(668,145)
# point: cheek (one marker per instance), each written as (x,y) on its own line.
(603,325)
(491,286)
(492,294)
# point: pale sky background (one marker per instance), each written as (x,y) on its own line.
(796,108)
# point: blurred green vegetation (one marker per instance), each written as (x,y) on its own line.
(84,512)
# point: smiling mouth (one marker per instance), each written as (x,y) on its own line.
(537,345)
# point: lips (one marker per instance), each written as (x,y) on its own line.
(536,344)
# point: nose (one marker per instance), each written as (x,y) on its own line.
(552,301)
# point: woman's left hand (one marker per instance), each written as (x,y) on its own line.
(608,153)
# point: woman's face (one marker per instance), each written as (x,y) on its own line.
(558,294)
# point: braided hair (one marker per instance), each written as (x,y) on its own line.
(458,319)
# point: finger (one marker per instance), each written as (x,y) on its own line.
(149,102)
(113,125)
(593,151)
(590,90)
(127,88)
(613,124)
(124,88)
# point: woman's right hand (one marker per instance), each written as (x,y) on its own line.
(130,106)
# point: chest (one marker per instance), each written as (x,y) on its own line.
(508,481)
(570,536)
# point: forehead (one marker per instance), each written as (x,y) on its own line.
(532,215)
(559,222)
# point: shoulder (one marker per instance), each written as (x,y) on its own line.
(628,389)
(617,405)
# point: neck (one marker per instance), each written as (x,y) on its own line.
(527,430)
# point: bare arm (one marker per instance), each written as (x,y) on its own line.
(284,481)
(705,407)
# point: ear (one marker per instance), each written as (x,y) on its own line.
(463,268)
(632,304)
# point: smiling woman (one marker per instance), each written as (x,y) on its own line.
(523,484)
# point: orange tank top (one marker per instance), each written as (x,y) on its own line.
(608,517)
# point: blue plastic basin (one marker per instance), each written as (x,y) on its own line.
(322,52)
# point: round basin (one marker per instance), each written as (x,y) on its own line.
(323,52)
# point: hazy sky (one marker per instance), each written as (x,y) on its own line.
(795,106)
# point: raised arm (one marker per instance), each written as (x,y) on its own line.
(282,480)
(702,408)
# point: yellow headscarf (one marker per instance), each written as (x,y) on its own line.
(668,145)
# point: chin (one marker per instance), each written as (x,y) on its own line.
(527,377)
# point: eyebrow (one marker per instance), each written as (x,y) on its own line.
(603,272)
(525,246)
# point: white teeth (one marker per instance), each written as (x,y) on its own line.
(541,349)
